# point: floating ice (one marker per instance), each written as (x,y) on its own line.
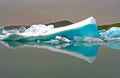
(85,28)
(21,29)
(1,30)
(40,28)
(113,34)
(102,31)
(63,39)
(87,39)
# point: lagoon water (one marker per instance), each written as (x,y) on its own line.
(47,60)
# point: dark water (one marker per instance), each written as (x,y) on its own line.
(48,60)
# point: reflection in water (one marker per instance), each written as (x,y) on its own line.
(114,45)
(82,51)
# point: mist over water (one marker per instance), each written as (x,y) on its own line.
(45,11)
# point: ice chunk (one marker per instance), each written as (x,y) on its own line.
(87,39)
(112,33)
(102,31)
(63,39)
(40,28)
(1,30)
(21,29)
(50,26)
(13,31)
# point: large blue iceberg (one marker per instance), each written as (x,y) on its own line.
(85,28)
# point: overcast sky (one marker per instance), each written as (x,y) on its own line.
(46,11)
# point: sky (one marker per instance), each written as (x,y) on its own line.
(46,11)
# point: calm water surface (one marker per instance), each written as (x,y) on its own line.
(46,60)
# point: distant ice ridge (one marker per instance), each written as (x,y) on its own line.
(40,28)
(22,32)
(35,30)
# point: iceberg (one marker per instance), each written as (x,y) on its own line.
(85,28)
(113,34)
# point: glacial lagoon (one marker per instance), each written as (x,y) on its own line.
(66,60)
(44,60)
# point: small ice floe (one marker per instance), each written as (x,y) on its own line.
(59,39)
(54,41)
(63,39)
(90,39)
(3,31)
(13,31)
(87,39)
(111,39)
(102,31)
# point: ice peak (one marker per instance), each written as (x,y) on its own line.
(91,20)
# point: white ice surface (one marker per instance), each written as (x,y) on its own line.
(112,33)
(89,20)
(40,29)
(36,30)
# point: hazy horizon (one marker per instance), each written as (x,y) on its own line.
(46,11)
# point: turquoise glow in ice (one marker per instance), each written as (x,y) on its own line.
(90,30)
(113,32)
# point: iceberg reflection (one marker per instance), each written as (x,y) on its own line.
(82,51)
(113,45)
